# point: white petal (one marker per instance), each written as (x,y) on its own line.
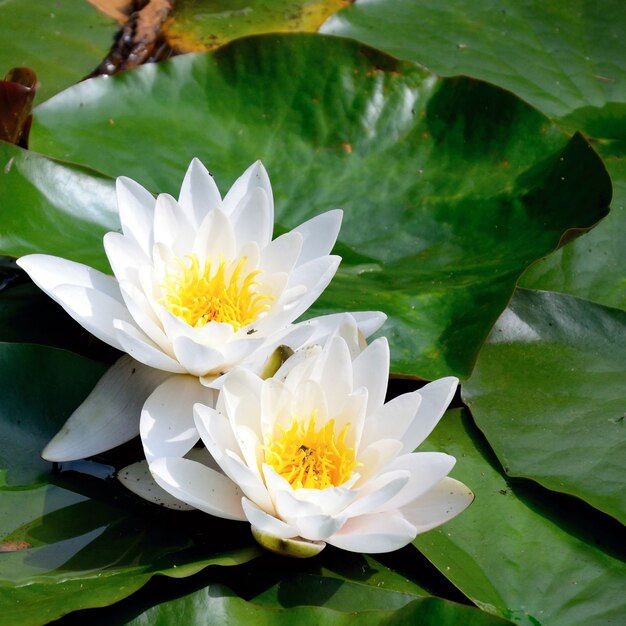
(196,358)
(319,234)
(392,419)
(254,176)
(443,502)
(330,501)
(90,297)
(426,470)
(371,370)
(314,277)
(171,226)
(95,311)
(220,441)
(369,321)
(140,347)
(436,397)
(241,394)
(215,238)
(333,370)
(378,492)
(318,527)
(375,457)
(266,523)
(213,334)
(380,532)
(199,486)
(252,219)
(138,479)
(281,254)
(143,315)
(199,193)
(136,208)
(125,256)
(167,426)
(49,272)
(109,416)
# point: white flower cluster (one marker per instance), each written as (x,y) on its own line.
(297,438)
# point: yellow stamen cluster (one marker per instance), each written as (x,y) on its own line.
(199,296)
(310,458)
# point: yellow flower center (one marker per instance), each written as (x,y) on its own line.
(199,295)
(310,458)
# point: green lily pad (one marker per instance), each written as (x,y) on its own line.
(61,41)
(70,540)
(594,266)
(58,208)
(548,392)
(450,188)
(557,55)
(36,400)
(216,604)
(564,58)
(532,557)
(201,25)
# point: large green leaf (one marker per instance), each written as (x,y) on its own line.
(218,605)
(565,57)
(61,41)
(69,542)
(532,557)
(36,400)
(53,207)
(548,392)
(559,55)
(200,25)
(450,187)
(594,266)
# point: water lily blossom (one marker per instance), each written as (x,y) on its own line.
(314,456)
(199,287)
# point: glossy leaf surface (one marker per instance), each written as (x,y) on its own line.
(446,200)
(548,392)
(61,41)
(525,554)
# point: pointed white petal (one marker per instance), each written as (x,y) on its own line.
(199,193)
(140,347)
(375,457)
(380,532)
(319,235)
(109,416)
(95,311)
(251,219)
(138,479)
(378,492)
(199,486)
(314,276)
(371,370)
(171,226)
(254,176)
(125,257)
(443,502)
(426,469)
(215,239)
(167,426)
(436,397)
(197,359)
(318,527)
(392,419)
(136,208)
(267,524)
(281,254)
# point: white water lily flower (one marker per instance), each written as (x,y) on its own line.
(199,287)
(314,455)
